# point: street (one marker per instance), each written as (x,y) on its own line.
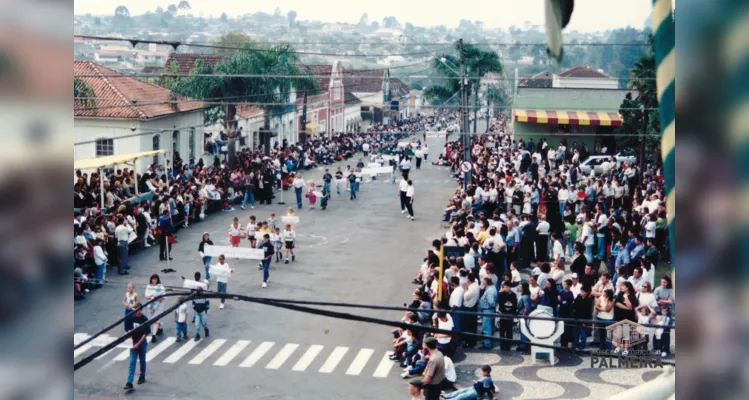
(361,251)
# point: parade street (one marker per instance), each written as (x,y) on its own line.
(362,251)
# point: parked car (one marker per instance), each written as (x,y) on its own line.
(597,162)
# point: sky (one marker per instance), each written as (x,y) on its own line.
(589,15)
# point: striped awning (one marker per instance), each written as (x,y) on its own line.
(596,118)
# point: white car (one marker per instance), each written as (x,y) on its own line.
(596,162)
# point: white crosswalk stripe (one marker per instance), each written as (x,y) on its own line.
(234,351)
(255,356)
(279,357)
(282,356)
(335,357)
(207,352)
(308,357)
(359,362)
(384,367)
(181,352)
(165,344)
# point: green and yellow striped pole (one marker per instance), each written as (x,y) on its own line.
(665,66)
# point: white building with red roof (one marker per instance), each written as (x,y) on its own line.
(116,114)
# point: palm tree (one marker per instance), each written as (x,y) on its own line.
(477,62)
(266,92)
(83,95)
(497,97)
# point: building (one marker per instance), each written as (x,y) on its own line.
(128,116)
(186,62)
(584,78)
(338,28)
(352,114)
(326,109)
(369,86)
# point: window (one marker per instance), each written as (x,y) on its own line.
(191,138)
(156,146)
(175,144)
(104,147)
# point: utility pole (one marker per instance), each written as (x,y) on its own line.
(303,133)
(476,102)
(465,126)
(645,122)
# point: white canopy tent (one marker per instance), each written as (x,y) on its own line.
(100,163)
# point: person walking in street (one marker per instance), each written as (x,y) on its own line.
(166,228)
(488,305)
(299,186)
(418,154)
(352,185)
(410,199)
(402,190)
(289,238)
(200,306)
(122,234)
(139,349)
(201,250)
(222,272)
(180,320)
(129,301)
(311,196)
(268,251)
(326,179)
(508,305)
(154,290)
(235,236)
(425,151)
(405,166)
(339,181)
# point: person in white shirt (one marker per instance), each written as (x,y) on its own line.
(100,259)
(222,272)
(154,291)
(235,233)
(470,302)
(576,285)
(542,242)
(418,154)
(410,199)
(402,189)
(289,238)
(122,234)
(299,185)
(180,318)
(365,149)
(405,167)
(563,196)
(557,249)
(250,231)
(425,151)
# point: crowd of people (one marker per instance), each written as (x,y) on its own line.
(143,210)
(589,244)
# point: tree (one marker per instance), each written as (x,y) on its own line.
(409,27)
(364,20)
(172,9)
(229,43)
(634,131)
(496,97)
(277,12)
(291,15)
(121,12)
(275,60)
(390,22)
(224,18)
(83,95)
(375,25)
(184,5)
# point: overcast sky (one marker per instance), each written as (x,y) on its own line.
(589,16)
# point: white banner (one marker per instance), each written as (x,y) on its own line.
(287,219)
(191,284)
(375,171)
(233,252)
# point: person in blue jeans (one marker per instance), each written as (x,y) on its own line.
(268,252)
(299,186)
(525,306)
(201,250)
(480,388)
(352,185)
(140,347)
(488,305)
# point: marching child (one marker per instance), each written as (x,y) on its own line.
(273,222)
(311,195)
(251,228)
(180,318)
(289,237)
(291,213)
(276,239)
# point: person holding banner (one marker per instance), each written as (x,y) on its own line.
(201,250)
(289,237)
(235,237)
(222,272)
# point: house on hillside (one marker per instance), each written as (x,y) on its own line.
(131,116)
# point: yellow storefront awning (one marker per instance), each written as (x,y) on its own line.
(597,118)
(110,161)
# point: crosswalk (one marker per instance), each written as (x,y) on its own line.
(248,354)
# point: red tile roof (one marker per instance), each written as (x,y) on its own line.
(363,81)
(119,96)
(187,61)
(583,72)
(321,72)
(248,111)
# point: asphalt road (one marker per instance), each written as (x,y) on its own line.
(361,251)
